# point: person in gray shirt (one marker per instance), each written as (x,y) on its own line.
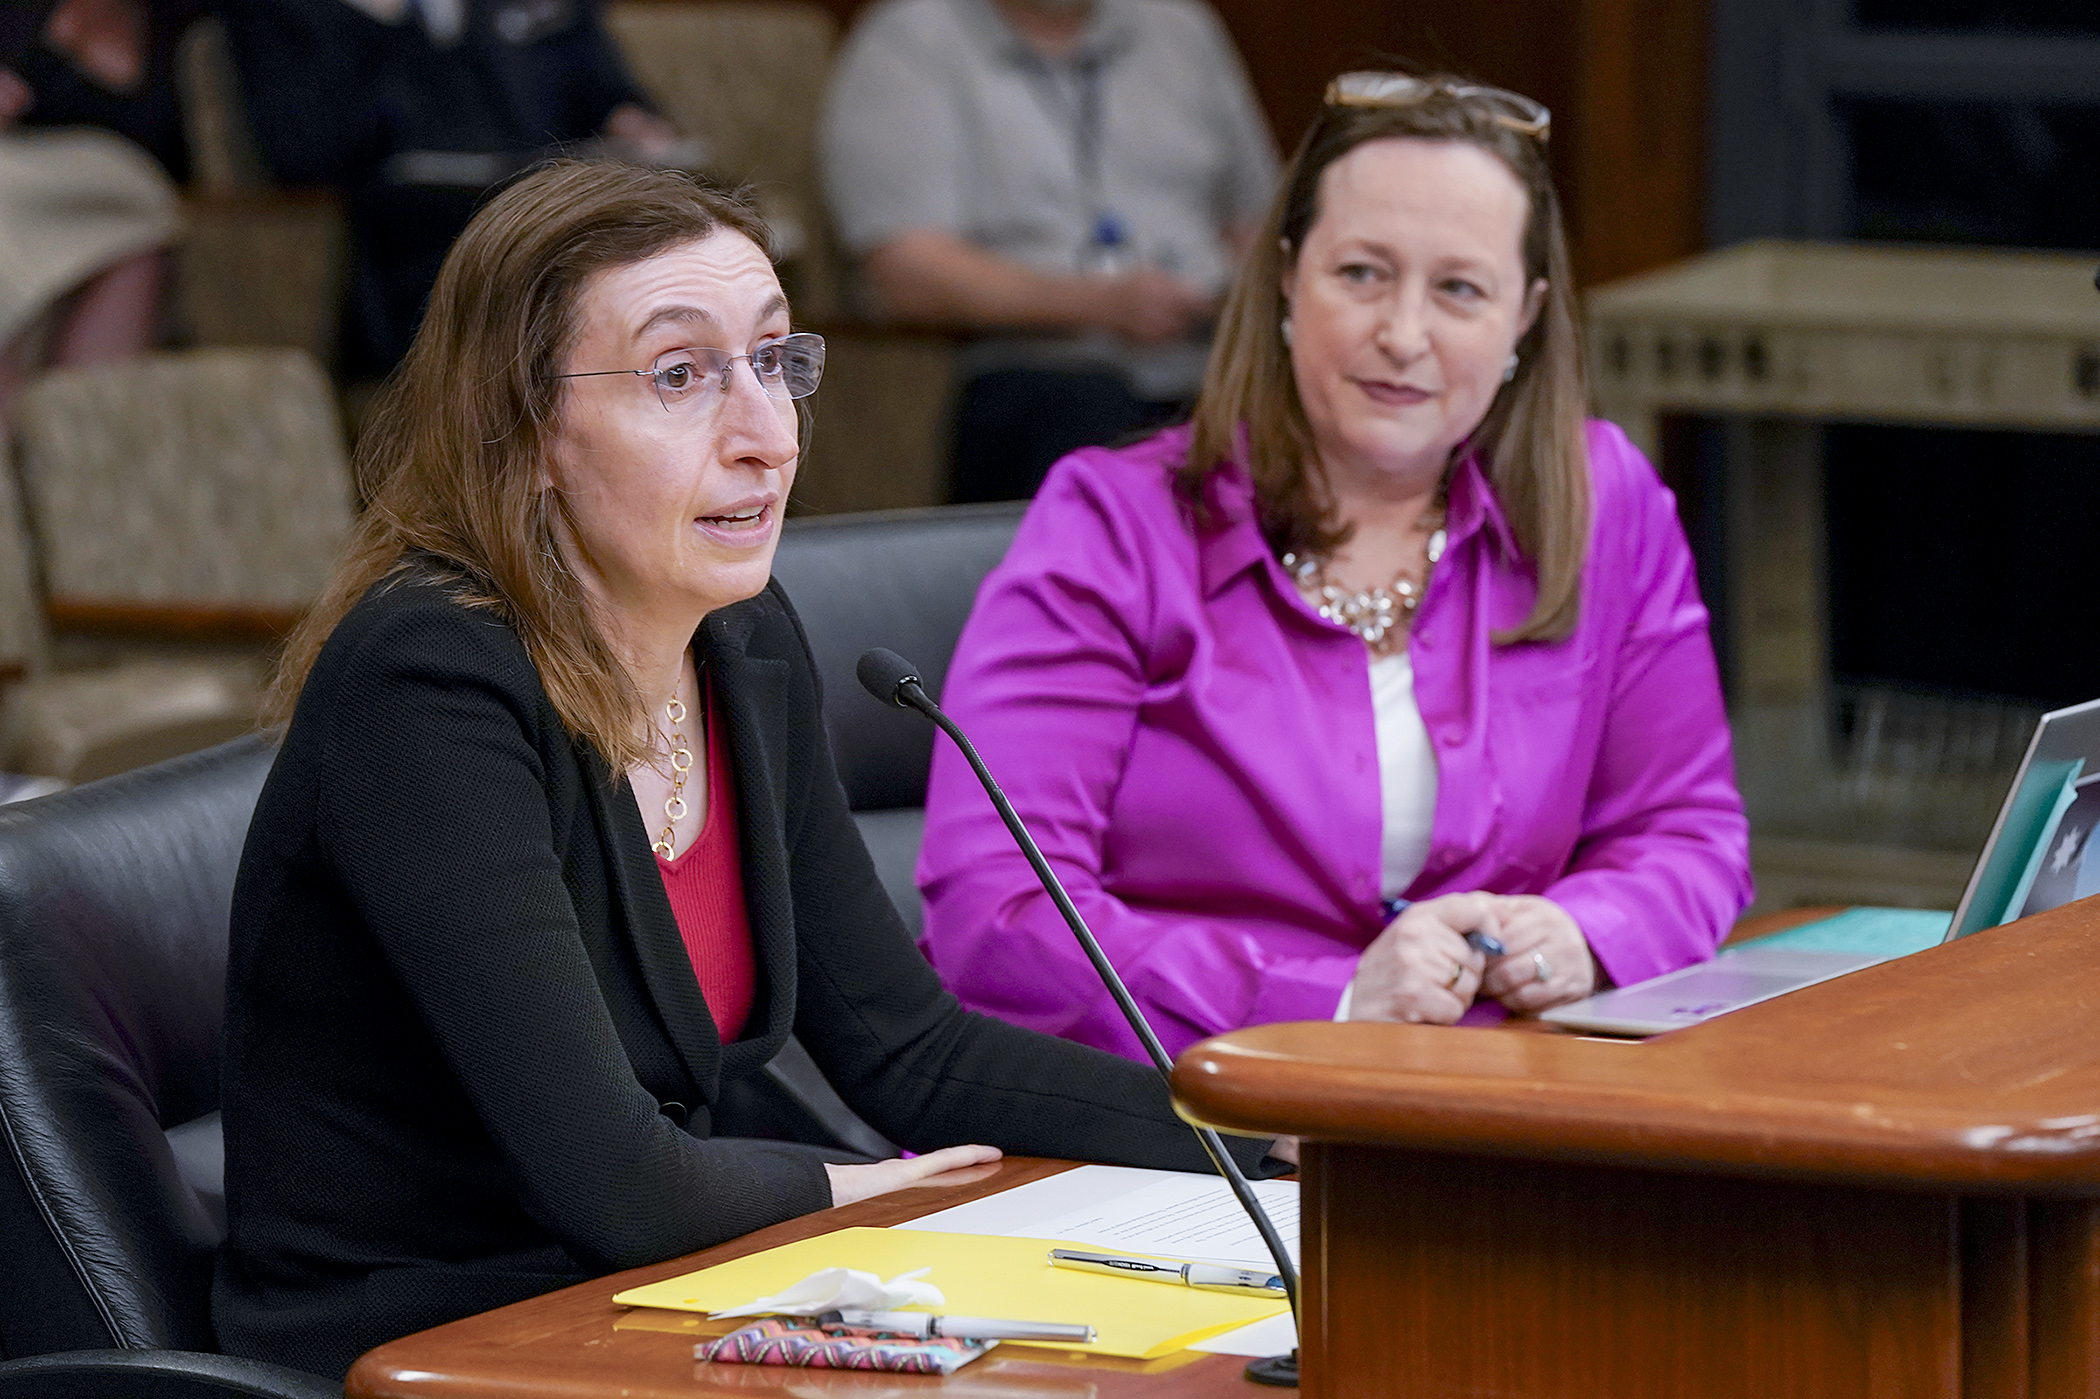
(1071,179)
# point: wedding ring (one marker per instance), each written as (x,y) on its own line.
(1544,967)
(1458,974)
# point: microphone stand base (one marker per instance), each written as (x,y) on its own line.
(1276,1371)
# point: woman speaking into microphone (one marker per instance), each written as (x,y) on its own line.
(553,857)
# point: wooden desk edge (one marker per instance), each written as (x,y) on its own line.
(1541,1121)
(498,1343)
(1412,1087)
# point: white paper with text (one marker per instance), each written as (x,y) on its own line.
(1167,1214)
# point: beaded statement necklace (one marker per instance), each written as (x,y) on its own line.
(1380,616)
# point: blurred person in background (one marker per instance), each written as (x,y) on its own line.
(415,110)
(1390,646)
(1075,178)
(90,134)
(108,64)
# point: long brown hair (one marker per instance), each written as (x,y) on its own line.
(1532,441)
(455,450)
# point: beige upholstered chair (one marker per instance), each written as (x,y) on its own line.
(186,496)
(256,265)
(22,640)
(880,436)
(209,478)
(87,724)
(746,77)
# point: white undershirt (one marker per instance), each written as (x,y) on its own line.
(1406,781)
(1406,774)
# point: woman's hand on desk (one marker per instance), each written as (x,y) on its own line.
(1420,969)
(1548,963)
(850,1183)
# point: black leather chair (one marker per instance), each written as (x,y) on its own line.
(905,579)
(113,930)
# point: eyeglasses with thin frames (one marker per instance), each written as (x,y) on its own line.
(1511,109)
(693,380)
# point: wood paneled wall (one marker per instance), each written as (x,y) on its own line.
(1626,80)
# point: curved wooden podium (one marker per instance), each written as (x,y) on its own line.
(1886,1185)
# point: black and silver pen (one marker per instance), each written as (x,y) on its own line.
(927,1326)
(1212,1277)
(1485,943)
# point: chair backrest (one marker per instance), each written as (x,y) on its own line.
(114,900)
(24,642)
(208,478)
(905,579)
(223,155)
(747,78)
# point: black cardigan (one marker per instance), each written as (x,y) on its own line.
(461,1023)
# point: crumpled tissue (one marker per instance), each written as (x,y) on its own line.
(835,1289)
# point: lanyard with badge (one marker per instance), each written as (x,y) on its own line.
(1107,248)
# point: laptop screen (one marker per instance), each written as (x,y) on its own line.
(2035,859)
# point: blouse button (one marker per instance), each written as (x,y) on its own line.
(1454,737)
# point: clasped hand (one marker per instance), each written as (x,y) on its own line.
(1422,970)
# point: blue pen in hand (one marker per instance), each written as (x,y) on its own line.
(1486,944)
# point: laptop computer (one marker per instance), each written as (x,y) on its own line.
(2040,854)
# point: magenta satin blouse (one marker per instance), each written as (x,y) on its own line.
(1193,748)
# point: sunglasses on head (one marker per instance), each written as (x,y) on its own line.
(1511,109)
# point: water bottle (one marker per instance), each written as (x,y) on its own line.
(1108,251)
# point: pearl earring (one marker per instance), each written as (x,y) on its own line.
(1286,328)
(1509,371)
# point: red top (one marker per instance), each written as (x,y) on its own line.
(706,887)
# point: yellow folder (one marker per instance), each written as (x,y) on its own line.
(981,1275)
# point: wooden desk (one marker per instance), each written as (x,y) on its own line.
(1885,1185)
(577,1344)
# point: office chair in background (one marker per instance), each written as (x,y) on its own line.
(905,579)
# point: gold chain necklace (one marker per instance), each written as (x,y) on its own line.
(1377,615)
(681,764)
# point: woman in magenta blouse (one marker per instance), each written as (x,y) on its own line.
(1387,647)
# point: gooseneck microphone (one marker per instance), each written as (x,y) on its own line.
(893,680)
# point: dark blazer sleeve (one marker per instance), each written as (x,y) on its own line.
(434,804)
(905,1054)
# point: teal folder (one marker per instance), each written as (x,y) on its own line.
(1873,932)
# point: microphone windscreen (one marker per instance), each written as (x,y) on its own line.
(882,671)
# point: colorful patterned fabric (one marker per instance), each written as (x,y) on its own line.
(786,1341)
